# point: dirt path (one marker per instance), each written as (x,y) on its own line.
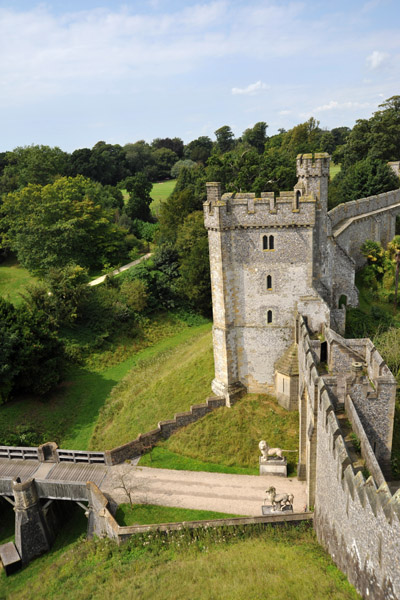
(117,271)
(236,494)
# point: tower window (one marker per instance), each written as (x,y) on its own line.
(269,282)
(297,199)
(268,242)
(269,316)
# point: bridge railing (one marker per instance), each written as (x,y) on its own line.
(21,453)
(79,456)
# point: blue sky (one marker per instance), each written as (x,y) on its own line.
(73,73)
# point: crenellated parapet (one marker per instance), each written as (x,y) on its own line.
(245,210)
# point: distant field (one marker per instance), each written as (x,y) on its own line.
(160,192)
(334,170)
(13,280)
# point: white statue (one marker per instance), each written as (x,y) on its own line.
(266,451)
(282,502)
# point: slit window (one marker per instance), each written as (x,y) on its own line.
(297,199)
(269,316)
(269,282)
(268,242)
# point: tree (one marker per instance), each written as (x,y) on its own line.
(60,223)
(194,270)
(174,144)
(199,150)
(365,178)
(32,357)
(164,160)
(138,205)
(33,164)
(139,157)
(225,138)
(256,136)
(181,164)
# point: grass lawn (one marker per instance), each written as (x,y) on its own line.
(170,377)
(206,564)
(146,514)
(226,440)
(160,192)
(13,279)
(69,415)
(334,169)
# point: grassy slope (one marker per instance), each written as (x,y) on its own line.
(208,565)
(161,191)
(13,279)
(144,514)
(228,438)
(168,379)
(69,415)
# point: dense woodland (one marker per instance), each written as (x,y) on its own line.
(67,217)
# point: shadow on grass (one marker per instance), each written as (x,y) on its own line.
(68,415)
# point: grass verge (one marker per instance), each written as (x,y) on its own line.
(13,280)
(169,377)
(147,514)
(228,438)
(227,562)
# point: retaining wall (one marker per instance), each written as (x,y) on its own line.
(164,430)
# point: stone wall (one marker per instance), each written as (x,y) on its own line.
(371,218)
(355,521)
(164,430)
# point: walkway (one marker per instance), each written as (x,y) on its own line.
(340,227)
(120,270)
(235,494)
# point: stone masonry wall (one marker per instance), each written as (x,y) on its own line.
(358,523)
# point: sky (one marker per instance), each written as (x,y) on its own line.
(74,73)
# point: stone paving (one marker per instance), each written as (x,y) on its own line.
(221,492)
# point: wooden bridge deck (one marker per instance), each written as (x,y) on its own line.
(65,474)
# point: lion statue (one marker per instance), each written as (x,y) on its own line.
(282,502)
(266,451)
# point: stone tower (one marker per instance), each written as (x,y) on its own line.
(265,255)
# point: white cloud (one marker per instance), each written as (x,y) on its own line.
(376,59)
(334,105)
(284,112)
(251,89)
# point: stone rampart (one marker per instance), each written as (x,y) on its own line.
(371,218)
(164,430)
(355,520)
(357,208)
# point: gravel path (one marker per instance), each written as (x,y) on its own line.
(236,494)
(120,270)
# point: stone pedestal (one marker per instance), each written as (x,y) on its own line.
(267,509)
(273,466)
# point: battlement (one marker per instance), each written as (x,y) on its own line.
(245,210)
(309,165)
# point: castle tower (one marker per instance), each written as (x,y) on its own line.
(261,258)
(313,174)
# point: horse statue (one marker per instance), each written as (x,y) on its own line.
(281,502)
